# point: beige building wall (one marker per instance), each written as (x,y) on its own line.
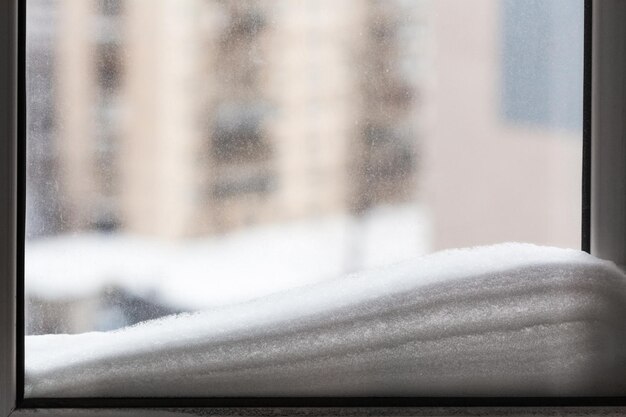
(161,151)
(313,84)
(487,180)
(74,112)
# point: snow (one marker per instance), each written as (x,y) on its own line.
(207,272)
(510,319)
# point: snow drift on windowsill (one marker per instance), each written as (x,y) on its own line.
(510,319)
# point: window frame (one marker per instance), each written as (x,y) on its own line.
(603,234)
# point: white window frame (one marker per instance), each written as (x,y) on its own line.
(604,232)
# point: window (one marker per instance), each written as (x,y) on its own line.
(277,195)
(530,86)
(598,242)
(238,133)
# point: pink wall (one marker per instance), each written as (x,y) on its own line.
(485,179)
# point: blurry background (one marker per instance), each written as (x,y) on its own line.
(186,154)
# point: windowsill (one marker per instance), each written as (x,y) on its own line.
(519,320)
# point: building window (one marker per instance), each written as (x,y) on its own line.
(238,133)
(275,203)
(541,83)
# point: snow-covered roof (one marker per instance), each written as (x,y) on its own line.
(206,272)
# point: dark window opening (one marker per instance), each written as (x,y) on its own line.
(230,187)
(110,7)
(108,67)
(238,134)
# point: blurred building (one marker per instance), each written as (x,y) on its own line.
(189,118)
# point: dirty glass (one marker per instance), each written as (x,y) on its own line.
(195,155)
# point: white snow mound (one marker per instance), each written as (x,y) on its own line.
(511,319)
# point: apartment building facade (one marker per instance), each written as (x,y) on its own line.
(199,117)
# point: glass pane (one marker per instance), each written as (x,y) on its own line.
(213,156)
